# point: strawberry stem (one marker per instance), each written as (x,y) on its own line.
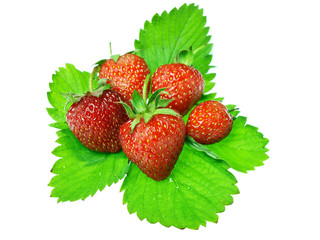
(145,88)
(113,57)
(90,83)
(199,147)
(95,70)
(233,109)
(110,48)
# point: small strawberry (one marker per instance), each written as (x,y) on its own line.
(95,119)
(153,139)
(184,83)
(125,73)
(209,122)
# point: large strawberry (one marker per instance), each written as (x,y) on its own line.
(209,122)
(125,74)
(153,139)
(95,119)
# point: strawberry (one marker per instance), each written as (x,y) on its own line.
(154,146)
(95,117)
(209,122)
(184,84)
(125,74)
(95,121)
(153,139)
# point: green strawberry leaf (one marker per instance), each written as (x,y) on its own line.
(80,172)
(244,148)
(199,186)
(168,34)
(197,189)
(193,193)
(66,80)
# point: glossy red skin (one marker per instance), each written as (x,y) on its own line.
(183,83)
(209,122)
(125,75)
(154,146)
(95,121)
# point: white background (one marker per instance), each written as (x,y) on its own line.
(267,56)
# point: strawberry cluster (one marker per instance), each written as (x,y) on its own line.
(142,114)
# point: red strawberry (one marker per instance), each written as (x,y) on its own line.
(209,122)
(125,75)
(95,120)
(154,146)
(184,84)
(154,136)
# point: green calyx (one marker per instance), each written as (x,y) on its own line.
(145,108)
(101,86)
(186,56)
